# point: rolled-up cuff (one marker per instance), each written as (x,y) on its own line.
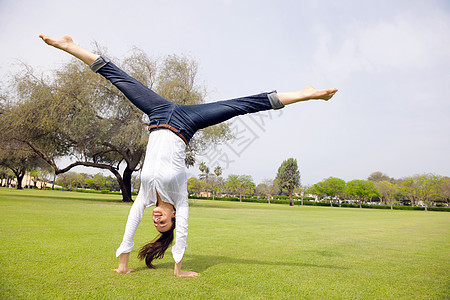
(98,63)
(178,253)
(124,248)
(274,100)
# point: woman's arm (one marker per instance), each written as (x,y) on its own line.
(134,218)
(123,264)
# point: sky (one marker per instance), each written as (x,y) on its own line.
(390,61)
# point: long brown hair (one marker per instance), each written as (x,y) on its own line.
(157,247)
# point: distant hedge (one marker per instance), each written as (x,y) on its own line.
(281,200)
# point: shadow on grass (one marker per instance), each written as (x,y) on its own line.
(201,263)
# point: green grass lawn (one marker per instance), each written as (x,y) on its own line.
(62,245)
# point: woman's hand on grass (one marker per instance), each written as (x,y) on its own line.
(178,273)
(123,264)
(187,274)
(125,270)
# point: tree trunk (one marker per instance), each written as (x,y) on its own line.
(291,202)
(54,179)
(20,173)
(19,180)
(126,190)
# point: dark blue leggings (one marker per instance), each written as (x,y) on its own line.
(184,120)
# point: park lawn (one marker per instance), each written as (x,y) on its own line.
(62,245)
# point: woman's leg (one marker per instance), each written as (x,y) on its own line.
(141,96)
(208,114)
(308,93)
(204,115)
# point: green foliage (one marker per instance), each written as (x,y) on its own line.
(239,185)
(72,180)
(361,189)
(19,160)
(331,187)
(387,190)
(195,186)
(423,187)
(288,176)
(379,176)
(267,188)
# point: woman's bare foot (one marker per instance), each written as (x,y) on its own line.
(308,93)
(311,93)
(63,43)
(66,43)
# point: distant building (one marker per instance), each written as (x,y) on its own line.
(205,194)
(29,181)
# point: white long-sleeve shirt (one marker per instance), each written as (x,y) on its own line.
(164,171)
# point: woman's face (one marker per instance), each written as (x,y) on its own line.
(162,218)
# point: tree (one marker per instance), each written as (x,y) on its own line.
(68,180)
(268,188)
(427,187)
(332,187)
(6,176)
(309,190)
(260,190)
(194,186)
(19,164)
(232,184)
(362,190)
(43,174)
(217,182)
(205,171)
(239,184)
(445,189)
(379,176)
(18,159)
(246,186)
(288,177)
(76,113)
(218,171)
(206,181)
(387,190)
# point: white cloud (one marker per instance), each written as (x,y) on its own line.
(407,41)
